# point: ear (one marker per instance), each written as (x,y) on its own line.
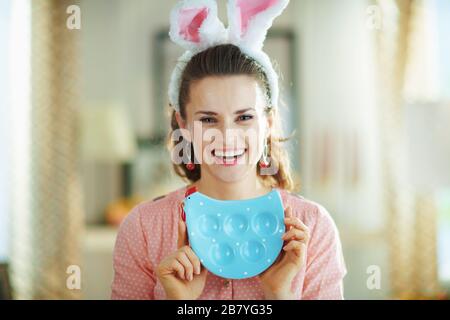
(194,24)
(269,119)
(182,125)
(249,20)
(181,122)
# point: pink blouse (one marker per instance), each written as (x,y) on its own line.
(149,233)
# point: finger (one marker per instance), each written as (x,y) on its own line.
(188,268)
(195,261)
(288,212)
(297,246)
(295,222)
(182,230)
(178,267)
(294,234)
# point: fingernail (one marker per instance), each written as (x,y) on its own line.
(190,277)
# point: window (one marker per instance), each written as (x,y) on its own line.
(443,15)
(5,11)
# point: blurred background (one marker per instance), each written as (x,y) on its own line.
(366,87)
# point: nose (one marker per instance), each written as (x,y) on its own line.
(232,136)
(227,124)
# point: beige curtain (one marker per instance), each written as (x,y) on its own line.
(46,231)
(410,216)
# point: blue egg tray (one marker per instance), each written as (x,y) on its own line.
(235,239)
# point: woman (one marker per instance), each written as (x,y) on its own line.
(223,89)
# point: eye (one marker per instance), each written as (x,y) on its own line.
(208,120)
(246,117)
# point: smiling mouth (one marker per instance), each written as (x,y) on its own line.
(228,157)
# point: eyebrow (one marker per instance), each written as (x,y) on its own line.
(210,113)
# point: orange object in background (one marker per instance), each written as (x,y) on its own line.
(117,211)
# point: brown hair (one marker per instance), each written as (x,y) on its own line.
(225,60)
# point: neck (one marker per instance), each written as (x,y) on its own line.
(247,188)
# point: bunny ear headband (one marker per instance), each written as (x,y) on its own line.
(195,26)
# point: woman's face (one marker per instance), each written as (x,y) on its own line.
(228,125)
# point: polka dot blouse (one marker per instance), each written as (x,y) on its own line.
(149,233)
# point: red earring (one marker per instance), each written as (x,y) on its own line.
(264,162)
(263,165)
(190,166)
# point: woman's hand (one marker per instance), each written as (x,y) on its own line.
(277,280)
(180,273)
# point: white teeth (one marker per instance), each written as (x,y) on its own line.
(229,154)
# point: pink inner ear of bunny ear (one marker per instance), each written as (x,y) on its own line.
(251,8)
(190,20)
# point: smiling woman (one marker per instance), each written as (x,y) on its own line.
(241,82)
(217,90)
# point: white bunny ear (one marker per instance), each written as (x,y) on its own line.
(194,24)
(249,20)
